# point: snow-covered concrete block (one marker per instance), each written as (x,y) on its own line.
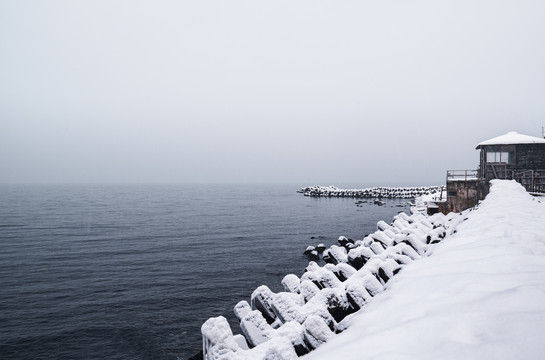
(390,233)
(420,233)
(367,241)
(357,294)
(382,238)
(218,340)
(403,216)
(376,247)
(291,283)
(316,331)
(372,265)
(258,332)
(401,224)
(308,289)
(437,219)
(216,330)
(382,225)
(312,266)
(416,243)
(295,332)
(277,348)
(291,307)
(241,341)
(343,271)
(322,277)
(358,257)
(387,269)
(287,307)
(336,303)
(338,254)
(242,308)
(255,328)
(404,249)
(372,285)
(398,258)
(436,235)
(261,300)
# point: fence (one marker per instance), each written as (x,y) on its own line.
(462,175)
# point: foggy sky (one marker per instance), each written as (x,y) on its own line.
(313,92)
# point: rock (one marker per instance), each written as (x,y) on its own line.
(198,356)
(309,249)
(313,255)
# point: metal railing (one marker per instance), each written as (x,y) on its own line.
(462,175)
(533,180)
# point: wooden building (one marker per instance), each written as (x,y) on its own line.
(512,156)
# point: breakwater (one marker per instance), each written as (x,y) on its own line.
(373,192)
(317,305)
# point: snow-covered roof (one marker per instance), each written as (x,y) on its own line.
(511,138)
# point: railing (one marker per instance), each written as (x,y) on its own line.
(532,180)
(462,175)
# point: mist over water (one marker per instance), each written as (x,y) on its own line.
(132,272)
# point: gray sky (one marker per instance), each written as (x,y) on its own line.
(313,92)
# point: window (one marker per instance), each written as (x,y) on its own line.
(505,157)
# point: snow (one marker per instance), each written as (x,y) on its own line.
(375,192)
(318,330)
(512,138)
(478,294)
(291,283)
(256,328)
(242,308)
(472,285)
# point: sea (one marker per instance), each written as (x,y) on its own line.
(132,271)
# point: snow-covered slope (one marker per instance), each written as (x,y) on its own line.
(480,295)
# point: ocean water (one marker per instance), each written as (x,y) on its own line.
(132,272)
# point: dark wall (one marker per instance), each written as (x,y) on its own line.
(527,157)
(530,156)
(462,195)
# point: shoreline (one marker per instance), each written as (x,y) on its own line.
(318,305)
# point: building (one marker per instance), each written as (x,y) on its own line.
(510,156)
(514,156)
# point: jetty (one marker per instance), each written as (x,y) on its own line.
(379,192)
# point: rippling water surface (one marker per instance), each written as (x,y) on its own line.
(131,272)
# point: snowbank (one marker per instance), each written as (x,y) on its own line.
(480,295)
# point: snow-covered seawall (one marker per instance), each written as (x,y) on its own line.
(317,305)
(481,293)
(373,192)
